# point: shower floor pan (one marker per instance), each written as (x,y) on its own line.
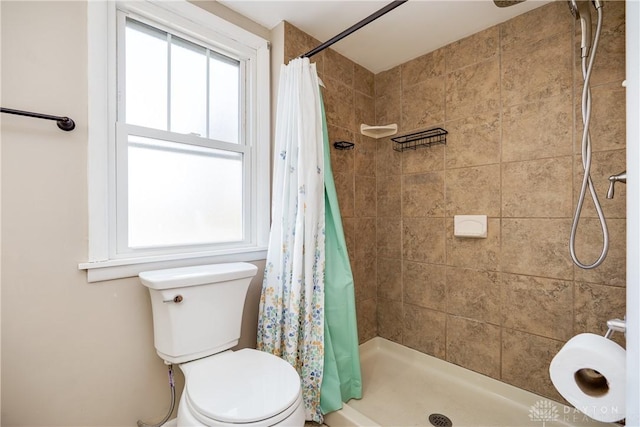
(403,387)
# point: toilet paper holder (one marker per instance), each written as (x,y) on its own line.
(616,325)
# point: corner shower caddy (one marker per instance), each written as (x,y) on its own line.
(423,138)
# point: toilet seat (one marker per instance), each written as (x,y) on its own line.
(242,387)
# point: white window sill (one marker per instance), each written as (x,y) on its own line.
(120,268)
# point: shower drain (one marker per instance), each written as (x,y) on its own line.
(439,420)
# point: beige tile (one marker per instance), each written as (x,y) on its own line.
(389,199)
(298,43)
(388,110)
(346,195)
(365,196)
(615,21)
(603,165)
(390,279)
(423,159)
(480,254)
(424,330)
(389,82)
(364,156)
(476,48)
(537,305)
(473,191)
(366,313)
(589,246)
(527,76)
(364,81)
(423,68)
(537,188)
(339,104)
(608,118)
(342,161)
(390,320)
(365,237)
(349,228)
(388,237)
(423,195)
(365,110)
(338,67)
(537,247)
(423,240)
(424,285)
(423,104)
(474,345)
(594,305)
(537,24)
(365,277)
(609,64)
(473,141)
(526,359)
(538,130)
(365,261)
(473,89)
(474,294)
(388,160)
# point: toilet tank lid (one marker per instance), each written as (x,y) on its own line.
(196,275)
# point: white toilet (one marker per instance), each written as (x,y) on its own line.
(197,314)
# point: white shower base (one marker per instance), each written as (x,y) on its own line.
(402,387)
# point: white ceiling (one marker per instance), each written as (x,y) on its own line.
(412,29)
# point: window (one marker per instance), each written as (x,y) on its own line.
(187,140)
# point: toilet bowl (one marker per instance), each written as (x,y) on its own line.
(197,315)
(246,387)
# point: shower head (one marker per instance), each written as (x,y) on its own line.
(580,10)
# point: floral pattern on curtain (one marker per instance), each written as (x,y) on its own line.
(291,319)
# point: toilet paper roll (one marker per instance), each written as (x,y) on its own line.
(589,371)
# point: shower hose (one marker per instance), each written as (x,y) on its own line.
(587,66)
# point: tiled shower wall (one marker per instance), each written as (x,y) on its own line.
(509,97)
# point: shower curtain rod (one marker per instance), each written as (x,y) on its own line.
(355,27)
(64,123)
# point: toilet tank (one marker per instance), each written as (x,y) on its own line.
(197,311)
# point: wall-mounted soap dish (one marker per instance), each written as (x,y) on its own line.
(343,145)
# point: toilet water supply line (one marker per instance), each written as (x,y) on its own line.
(586,157)
(172,384)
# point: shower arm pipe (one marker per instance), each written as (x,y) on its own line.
(64,123)
(352,29)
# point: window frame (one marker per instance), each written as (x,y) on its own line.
(105,260)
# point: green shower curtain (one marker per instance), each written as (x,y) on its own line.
(342,378)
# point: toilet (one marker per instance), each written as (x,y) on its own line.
(197,316)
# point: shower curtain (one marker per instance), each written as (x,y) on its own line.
(292,321)
(342,377)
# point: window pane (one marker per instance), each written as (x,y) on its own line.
(183,194)
(224,97)
(188,88)
(146,76)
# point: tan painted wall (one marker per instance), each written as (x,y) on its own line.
(74,353)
